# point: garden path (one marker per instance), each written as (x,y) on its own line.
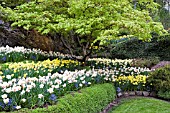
(160,64)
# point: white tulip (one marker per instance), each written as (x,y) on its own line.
(22,92)
(8,90)
(41,85)
(8,76)
(50,90)
(56,86)
(4,96)
(80,85)
(40,96)
(18,107)
(89,83)
(6,100)
(64,85)
(83,81)
(23,100)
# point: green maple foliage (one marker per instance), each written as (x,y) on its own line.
(90,20)
(13,3)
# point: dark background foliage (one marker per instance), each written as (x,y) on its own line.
(158,47)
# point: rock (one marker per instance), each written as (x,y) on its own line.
(132,93)
(7,35)
(126,94)
(145,93)
(29,39)
(113,104)
(152,94)
(36,40)
(139,93)
(119,94)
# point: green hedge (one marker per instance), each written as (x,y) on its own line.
(158,47)
(88,100)
(160,80)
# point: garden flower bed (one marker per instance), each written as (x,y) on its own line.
(35,69)
(17,54)
(36,91)
(132,83)
(31,84)
(92,99)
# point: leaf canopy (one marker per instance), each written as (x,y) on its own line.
(101,20)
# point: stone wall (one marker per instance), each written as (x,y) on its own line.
(28,39)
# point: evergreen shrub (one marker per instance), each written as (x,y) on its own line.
(160,81)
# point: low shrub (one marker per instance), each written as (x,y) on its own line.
(135,48)
(132,48)
(159,48)
(88,100)
(160,80)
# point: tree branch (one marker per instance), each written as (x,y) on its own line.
(64,43)
(78,39)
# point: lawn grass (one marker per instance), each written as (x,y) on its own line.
(142,105)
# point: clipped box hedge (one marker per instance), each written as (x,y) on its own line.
(88,100)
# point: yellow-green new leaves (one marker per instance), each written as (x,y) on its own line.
(101,20)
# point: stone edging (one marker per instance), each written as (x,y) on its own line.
(126,94)
(136,93)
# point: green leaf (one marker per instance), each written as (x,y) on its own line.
(46,31)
